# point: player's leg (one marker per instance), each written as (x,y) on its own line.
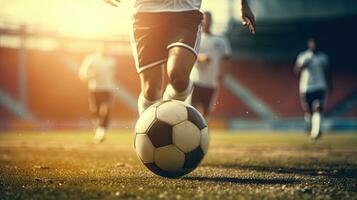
(149,41)
(196,99)
(317,114)
(179,66)
(315,121)
(211,101)
(306,104)
(93,107)
(104,110)
(182,48)
(202,98)
(103,101)
(151,86)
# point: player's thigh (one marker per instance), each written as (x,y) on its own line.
(151,82)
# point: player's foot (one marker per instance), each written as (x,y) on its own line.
(314,136)
(99,135)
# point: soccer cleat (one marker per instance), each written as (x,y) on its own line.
(99,135)
(315,136)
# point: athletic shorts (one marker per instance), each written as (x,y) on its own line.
(309,98)
(203,96)
(155,33)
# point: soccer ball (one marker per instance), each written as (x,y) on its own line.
(171,138)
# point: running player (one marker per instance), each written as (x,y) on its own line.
(312,66)
(210,67)
(166,37)
(97,70)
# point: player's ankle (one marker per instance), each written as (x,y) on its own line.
(144,103)
(171,93)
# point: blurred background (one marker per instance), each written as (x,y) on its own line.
(42,44)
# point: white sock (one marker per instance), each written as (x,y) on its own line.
(143,103)
(100,129)
(99,133)
(316,124)
(170,93)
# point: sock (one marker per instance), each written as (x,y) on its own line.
(316,124)
(170,93)
(99,133)
(143,103)
(100,130)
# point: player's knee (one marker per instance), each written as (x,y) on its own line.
(316,106)
(152,92)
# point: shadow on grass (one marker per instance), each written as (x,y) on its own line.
(332,171)
(259,181)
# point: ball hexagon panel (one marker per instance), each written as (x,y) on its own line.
(145,120)
(195,117)
(169,158)
(171,138)
(144,148)
(172,112)
(193,158)
(186,136)
(160,133)
(204,140)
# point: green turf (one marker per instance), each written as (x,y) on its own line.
(66,165)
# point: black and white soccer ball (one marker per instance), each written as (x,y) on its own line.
(171,138)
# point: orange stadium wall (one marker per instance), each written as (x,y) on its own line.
(54,92)
(275,84)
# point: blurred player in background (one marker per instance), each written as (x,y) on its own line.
(210,67)
(166,35)
(313,68)
(98,70)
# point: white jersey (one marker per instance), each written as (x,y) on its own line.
(166,5)
(216,48)
(312,77)
(99,71)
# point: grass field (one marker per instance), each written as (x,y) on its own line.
(66,165)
